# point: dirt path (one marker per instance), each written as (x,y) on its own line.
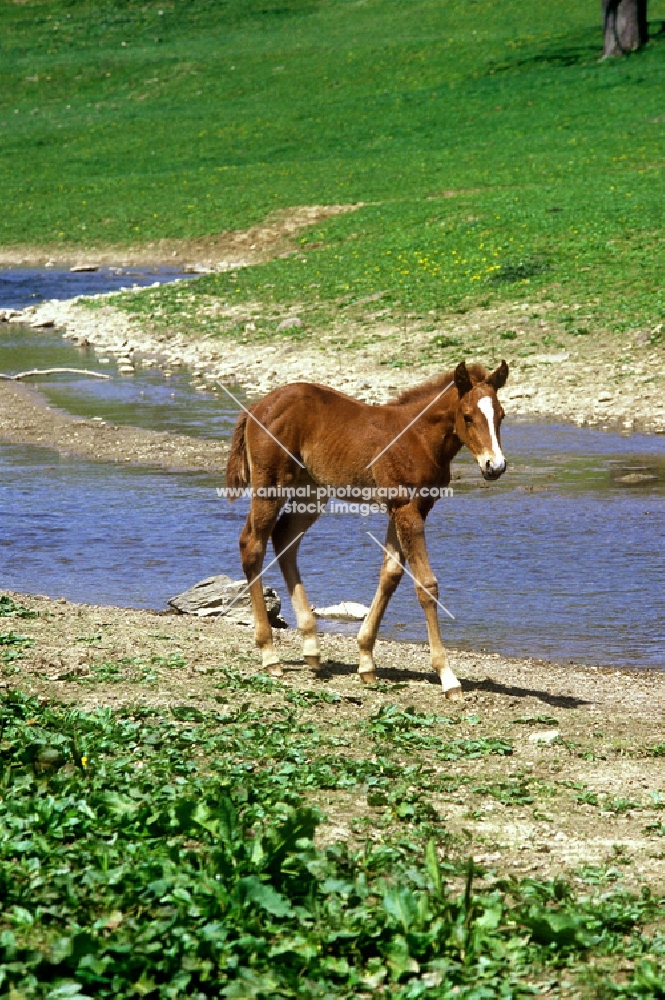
(27,418)
(587,802)
(218,252)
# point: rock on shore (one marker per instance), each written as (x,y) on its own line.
(219,596)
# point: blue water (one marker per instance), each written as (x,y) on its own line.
(575,572)
(100,534)
(28,286)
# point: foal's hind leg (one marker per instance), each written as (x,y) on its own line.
(253,542)
(411,531)
(285,534)
(392,572)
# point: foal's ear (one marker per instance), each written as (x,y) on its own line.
(498,378)
(462,379)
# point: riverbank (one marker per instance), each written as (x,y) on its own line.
(27,418)
(573,787)
(594,380)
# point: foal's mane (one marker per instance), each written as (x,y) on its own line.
(422,392)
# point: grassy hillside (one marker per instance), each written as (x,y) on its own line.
(122,122)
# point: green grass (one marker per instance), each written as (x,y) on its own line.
(213,114)
(173,856)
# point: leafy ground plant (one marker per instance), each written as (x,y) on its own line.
(12,648)
(139,858)
(407,727)
(9,609)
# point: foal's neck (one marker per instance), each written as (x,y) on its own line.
(438,423)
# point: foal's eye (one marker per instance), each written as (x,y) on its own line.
(467,419)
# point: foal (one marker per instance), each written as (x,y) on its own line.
(305,434)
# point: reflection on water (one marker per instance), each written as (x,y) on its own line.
(145,399)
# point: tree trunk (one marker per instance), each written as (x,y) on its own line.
(625,27)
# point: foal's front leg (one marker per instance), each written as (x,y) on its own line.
(392,572)
(411,532)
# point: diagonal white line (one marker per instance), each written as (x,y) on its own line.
(265,568)
(250,414)
(419,415)
(409,573)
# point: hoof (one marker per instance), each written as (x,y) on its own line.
(368,677)
(449,684)
(271,664)
(313,662)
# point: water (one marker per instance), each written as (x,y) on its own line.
(146,399)
(28,286)
(561,559)
(574,572)
(100,534)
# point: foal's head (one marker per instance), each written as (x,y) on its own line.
(479,415)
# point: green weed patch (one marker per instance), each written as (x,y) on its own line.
(409,728)
(9,609)
(137,857)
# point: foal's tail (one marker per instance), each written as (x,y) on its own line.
(237,466)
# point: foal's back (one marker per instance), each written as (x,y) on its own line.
(333,434)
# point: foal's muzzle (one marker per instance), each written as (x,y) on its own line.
(491,471)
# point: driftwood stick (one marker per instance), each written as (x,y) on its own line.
(52,371)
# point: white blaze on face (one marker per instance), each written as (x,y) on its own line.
(497,462)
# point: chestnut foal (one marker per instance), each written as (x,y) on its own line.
(305,434)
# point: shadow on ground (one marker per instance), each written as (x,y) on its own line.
(402,675)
